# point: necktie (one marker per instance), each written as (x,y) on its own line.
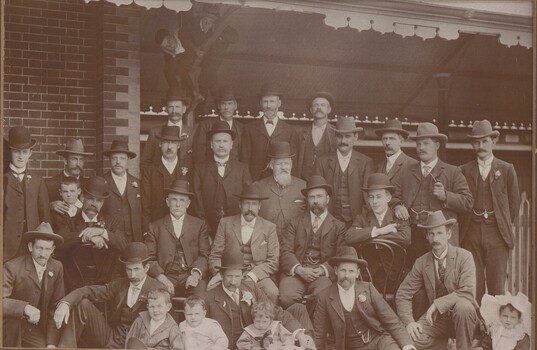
(19,176)
(441,268)
(90,224)
(40,274)
(221,164)
(388,166)
(270,122)
(235,296)
(133,296)
(483,170)
(316,223)
(426,170)
(221,167)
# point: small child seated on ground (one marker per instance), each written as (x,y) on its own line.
(199,332)
(155,327)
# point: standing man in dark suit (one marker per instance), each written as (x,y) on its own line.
(321,139)
(33,284)
(26,202)
(346,170)
(176,104)
(179,245)
(392,136)
(486,231)
(218,178)
(261,133)
(355,312)
(125,201)
(127,297)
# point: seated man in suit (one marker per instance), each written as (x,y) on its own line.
(447,274)
(33,284)
(254,237)
(355,312)
(127,297)
(179,245)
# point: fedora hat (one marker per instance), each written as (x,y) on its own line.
(226,94)
(232,259)
(322,94)
(314,182)
(171,133)
(346,125)
(179,187)
(44,231)
(133,253)
(280,149)
(119,147)
(269,90)
(19,138)
(73,146)
(482,128)
(437,219)
(211,11)
(175,94)
(250,191)
(392,125)
(220,126)
(347,254)
(429,130)
(96,186)
(378,181)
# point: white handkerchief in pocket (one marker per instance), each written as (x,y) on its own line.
(263,243)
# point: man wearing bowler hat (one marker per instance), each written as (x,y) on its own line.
(260,134)
(447,273)
(309,241)
(74,157)
(26,201)
(282,190)
(321,138)
(392,136)
(125,200)
(218,178)
(178,244)
(346,170)
(33,284)
(127,297)
(355,312)
(486,230)
(254,237)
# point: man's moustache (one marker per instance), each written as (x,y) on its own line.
(343,144)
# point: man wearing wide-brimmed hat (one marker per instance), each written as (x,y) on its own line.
(283,190)
(346,170)
(218,178)
(428,186)
(226,102)
(125,200)
(261,133)
(162,174)
(33,284)
(179,244)
(26,201)
(254,237)
(447,273)
(486,231)
(126,298)
(392,136)
(309,241)
(321,138)
(355,312)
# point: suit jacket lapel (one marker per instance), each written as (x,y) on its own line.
(278,129)
(335,302)
(353,164)
(112,183)
(256,233)
(326,225)
(228,168)
(438,170)
(388,218)
(222,300)
(450,266)
(169,226)
(184,238)
(13,182)
(430,270)
(396,165)
(236,227)
(333,163)
(32,272)
(262,129)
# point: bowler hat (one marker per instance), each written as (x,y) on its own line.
(269,90)
(482,128)
(437,219)
(226,94)
(179,187)
(347,254)
(73,146)
(220,126)
(346,125)
(280,149)
(314,182)
(232,259)
(392,125)
(119,147)
(378,181)
(250,191)
(322,94)
(43,231)
(429,130)
(210,10)
(19,138)
(174,94)
(171,133)
(96,186)
(133,253)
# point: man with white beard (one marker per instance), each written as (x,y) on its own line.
(285,199)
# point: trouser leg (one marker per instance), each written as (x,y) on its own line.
(292,290)
(269,288)
(472,243)
(497,254)
(87,321)
(464,319)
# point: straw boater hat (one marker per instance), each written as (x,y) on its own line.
(96,187)
(314,182)
(429,130)
(269,90)
(482,129)
(378,181)
(119,147)
(392,125)
(280,149)
(19,138)
(232,259)
(73,146)
(226,94)
(179,187)
(171,133)
(346,125)
(250,192)
(322,94)
(437,219)
(347,254)
(43,231)
(133,253)
(220,126)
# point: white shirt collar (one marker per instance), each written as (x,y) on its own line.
(431,164)
(230,293)
(394,157)
(322,216)
(342,290)
(140,285)
(225,160)
(380,217)
(177,220)
(179,123)
(38,267)
(171,164)
(67,175)
(274,120)
(119,178)
(15,169)
(322,127)
(443,255)
(87,219)
(243,221)
(341,156)
(230,122)
(485,163)
(78,204)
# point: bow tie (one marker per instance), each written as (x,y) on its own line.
(91,223)
(221,164)
(265,340)
(249,224)
(270,122)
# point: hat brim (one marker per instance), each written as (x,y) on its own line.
(255,198)
(325,95)
(358,129)
(134,261)
(43,235)
(445,223)
(180,139)
(232,267)
(171,190)
(32,144)
(338,260)
(185,100)
(441,137)
(372,188)
(269,93)
(280,156)
(66,152)
(328,189)
(232,133)
(129,154)
(401,132)
(97,195)
(494,133)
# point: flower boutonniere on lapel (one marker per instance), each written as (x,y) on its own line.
(51,274)
(101,224)
(247,297)
(28,177)
(142,298)
(134,184)
(362,297)
(184,170)
(497,174)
